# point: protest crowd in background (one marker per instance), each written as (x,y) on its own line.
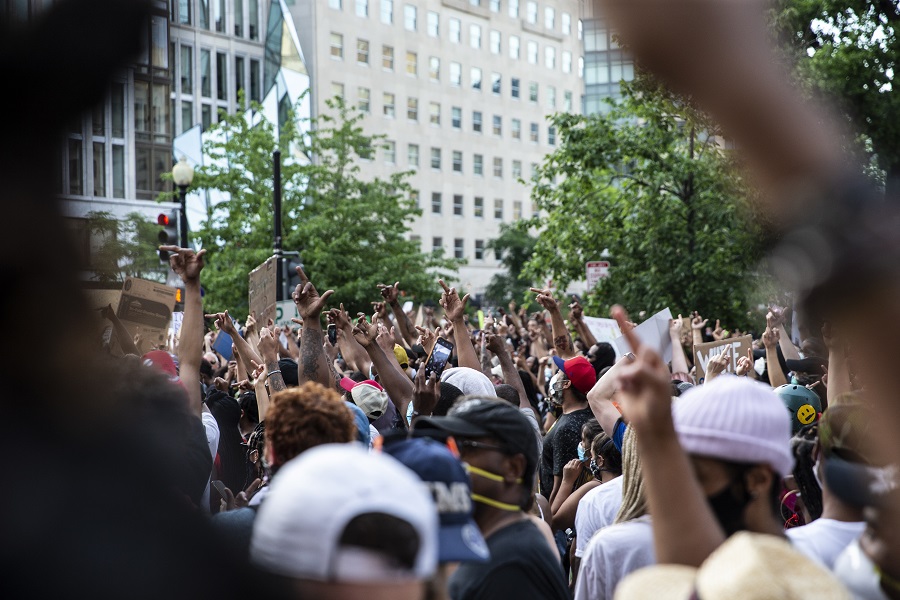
(437,453)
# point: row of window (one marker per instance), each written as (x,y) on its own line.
(336,43)
(459,209)
(223,16)
(411,15)
(436,157)
(459,247)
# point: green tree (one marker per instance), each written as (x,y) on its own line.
(649,183)
(848,51)
(350,231)
(127,247)
(515,247)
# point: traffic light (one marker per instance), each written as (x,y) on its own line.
(287,276)
(168,234)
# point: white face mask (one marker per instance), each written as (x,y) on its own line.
(557,387)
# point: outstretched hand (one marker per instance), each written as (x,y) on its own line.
(309,303)
(224,323)
(365,333)
(186,263)
(454,307)
(390,293)
(545,299)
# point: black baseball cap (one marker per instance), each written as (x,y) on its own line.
(480,416)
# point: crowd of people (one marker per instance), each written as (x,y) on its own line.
(533,463)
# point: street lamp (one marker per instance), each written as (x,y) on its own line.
(183,175)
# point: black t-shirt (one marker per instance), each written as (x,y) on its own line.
(561,446)
(522,566)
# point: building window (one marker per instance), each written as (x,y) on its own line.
(239,18)
(478,210)
(550,57)
(514,9)
(337,45)
(549,17)
(479,249)
(455,31)
(495,83)
(498,166)
(455,74)
(514,46)
(409,17)
(475,36)
(551,136)
(254,19)
(475,74)
(457,162)
(551,97)
(495,42)
(495,6)
(456,117)
(516,169)
(566,23)
(206,116)
(459,248)
(434,24)
(476,121)
(566,62)
(437,245)
(337,89)
(412,155)
(412,109)
(335,4)
(516,129)
(478,164)
(497,128)
(514,85)
(362,8)
(362,52)
(434,68)
(412,64)
(534,170)
(531,12)
(239,77)
(533,92)
(205,74)
(532,53)
(416,238)
(436,162)
(364,100)
(388,102)
(517,210)
(219,15)
(255,94)
(187,70)
(390,152)
(221,76)
(187,116)
(387,57)
(434,113)
(436,204)
(498,208)
(567,102)
(203,17)
(387,12)
(458,204)
(534,133)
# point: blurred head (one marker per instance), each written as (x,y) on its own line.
(604,457)
(601,355)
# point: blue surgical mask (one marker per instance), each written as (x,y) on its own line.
(581,455)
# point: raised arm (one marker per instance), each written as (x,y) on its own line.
(511,376)
(697,325)
(313,364)
(454,309)
(576,318)
(838,381)
(395,382)
(770,341)
(268,349)
(187,264)
(391,295)
(680,368)
(245,350)
(126,343)
(562,341)
(355,355)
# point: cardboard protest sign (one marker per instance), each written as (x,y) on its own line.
(145,308)
(653,332)
(604,330)
(704,352)
(263,291)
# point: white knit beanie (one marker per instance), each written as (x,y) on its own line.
(735,419)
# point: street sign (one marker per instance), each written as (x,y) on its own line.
(596,270)
(284,311)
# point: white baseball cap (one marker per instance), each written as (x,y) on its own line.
(315,496)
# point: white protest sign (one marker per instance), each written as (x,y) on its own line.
(653,332)
(284,311)
(595,270)
(704,352)
(604,330)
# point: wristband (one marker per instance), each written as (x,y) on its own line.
(275,371)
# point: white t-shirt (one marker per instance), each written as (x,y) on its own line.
(612,554)
(596,510)
(824,539)
(212,438)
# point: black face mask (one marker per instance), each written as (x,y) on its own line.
(729,504)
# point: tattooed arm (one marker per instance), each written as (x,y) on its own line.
(313,364)
(268,349)
(562,341)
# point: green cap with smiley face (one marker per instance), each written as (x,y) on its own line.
(803,404)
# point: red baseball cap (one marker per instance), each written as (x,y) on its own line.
(579,371)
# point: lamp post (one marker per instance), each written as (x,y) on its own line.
(183,175)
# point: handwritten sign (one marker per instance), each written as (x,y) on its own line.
(704,352)
(263,290)
(145,308)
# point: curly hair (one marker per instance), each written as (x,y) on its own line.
(307,416)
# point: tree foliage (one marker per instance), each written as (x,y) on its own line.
(515,246)
(649,183)
(126,248)
(848,51)
(350,231)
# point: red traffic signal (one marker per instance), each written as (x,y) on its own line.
(162,219)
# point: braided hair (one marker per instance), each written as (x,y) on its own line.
(634,500)
(802,445)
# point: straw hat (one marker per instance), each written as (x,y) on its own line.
(748,566)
